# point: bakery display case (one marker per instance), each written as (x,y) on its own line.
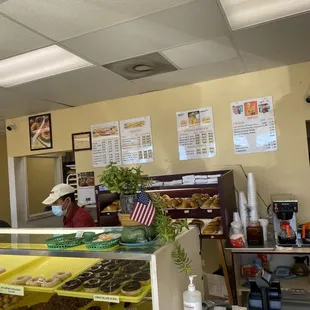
(34,276)
(205,198)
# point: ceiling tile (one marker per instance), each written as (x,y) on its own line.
(63,19)
(80,87)
(278,43)
(13,104)
(186,23)
(15,39)
(193,75)
(201,53)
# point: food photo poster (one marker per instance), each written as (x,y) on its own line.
(40,132)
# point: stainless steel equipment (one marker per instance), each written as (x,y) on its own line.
(285,207)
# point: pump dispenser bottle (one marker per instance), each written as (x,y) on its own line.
(191,297)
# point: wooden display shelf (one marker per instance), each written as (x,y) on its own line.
(215,236)
(193,213)
(224,188)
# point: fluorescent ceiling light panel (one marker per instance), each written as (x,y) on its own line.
(38,64)
(245,13)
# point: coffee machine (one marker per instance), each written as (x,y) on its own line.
(285,207)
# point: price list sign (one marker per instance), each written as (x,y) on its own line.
(106,144)
(196,134)
(254,126)
(136,140)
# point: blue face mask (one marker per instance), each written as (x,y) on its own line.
(57,210)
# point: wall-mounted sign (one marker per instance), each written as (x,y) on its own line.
(136,140)
(106,144)
(196,134)
(254,126)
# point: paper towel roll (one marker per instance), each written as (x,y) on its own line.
(252,198)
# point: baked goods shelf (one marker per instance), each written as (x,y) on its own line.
(39,298)
(194,213)
(180,187)
(31,299)
(122,298)
(214,236)
(46,267)
(10,263)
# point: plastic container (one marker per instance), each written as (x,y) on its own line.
(255,233)
(102,245)
(67,241)
(264,223)
(236,235)
(191,297)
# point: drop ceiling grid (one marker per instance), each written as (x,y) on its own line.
(180,25)
(83,86)
(63,19)
(13,104)
(15,39)
(201,53)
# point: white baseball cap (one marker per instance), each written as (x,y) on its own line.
(57,192)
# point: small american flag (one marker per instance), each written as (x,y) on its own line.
(143,210)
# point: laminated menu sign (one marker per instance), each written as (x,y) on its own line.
(196,134)
(254,126)
(105,144)
(136,140)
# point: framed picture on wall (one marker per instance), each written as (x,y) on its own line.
(81,141)
(40,132)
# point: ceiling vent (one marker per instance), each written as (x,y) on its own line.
(142,66)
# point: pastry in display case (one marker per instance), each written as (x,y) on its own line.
(78,278)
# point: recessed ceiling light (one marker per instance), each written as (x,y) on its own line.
(142,68)
(245,13)
(38,64)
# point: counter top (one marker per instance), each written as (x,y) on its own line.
(268,247)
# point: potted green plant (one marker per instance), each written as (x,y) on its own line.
(125,181)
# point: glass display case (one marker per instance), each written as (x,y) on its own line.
(24,253)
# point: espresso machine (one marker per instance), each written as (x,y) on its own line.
(285,207)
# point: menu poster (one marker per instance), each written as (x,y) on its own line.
(254,126)
(106,144)
(136,140)
(196,134)
(86,190)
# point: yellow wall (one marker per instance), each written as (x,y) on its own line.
(4,184)
(41,179)
(286,170)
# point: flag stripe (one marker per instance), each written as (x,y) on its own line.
(143,210)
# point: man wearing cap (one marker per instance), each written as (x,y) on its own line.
(63,203)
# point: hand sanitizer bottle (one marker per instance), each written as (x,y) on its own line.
(192,298)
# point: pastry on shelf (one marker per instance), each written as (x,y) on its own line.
(184,205)
(132,288)
(112,208)
(198,223)
(205,197)
(193,204)
(216,202)
(197,196)
(174,203)
(213,227)
(207,203)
